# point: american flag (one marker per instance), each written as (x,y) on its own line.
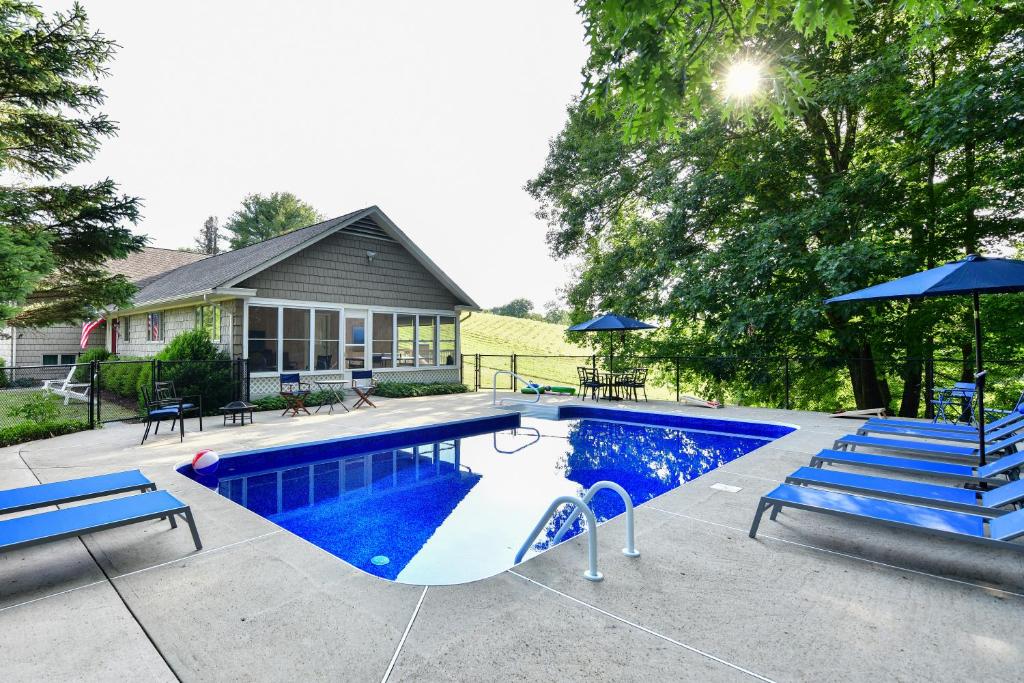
(87,328)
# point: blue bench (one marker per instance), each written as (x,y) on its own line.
(44,527)
(991,437)
(43,495)
(930,450)
(1008,466)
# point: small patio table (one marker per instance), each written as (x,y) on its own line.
(237,410)
(334,389)
(610,381)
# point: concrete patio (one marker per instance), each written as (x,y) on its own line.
(812,598)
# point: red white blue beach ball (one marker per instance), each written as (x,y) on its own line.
(205,462)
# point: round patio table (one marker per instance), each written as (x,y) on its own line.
(334,389)
(610,382)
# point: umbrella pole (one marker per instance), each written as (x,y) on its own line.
(979,379)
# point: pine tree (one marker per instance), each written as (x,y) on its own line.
(208,241)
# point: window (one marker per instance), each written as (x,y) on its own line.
(427,341)
(262,339)
(325,341)
(383,339)
(124,328)
(208,318)
(295,340)
(155,326)
(446,341)
(68,358)
(49,359)
(355,340)
(406,341)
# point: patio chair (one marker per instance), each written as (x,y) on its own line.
(43,527)
(929,450)
(589,382)
(990,530)
(294,392)
(989,502)
(165,394)
(1008,466)
(955,404)
(1009,428)
(1011,416)
(635,381)
(67,389)
(161,410)
(68,491)
(364,385)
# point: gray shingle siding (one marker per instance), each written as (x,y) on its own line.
(337,269)
(175,321)
(33,343)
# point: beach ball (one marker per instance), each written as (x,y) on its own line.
(205,462)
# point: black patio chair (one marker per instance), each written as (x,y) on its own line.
(634,382)
(589,381)
(163,405)
(294,392)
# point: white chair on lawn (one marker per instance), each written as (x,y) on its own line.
(68,389)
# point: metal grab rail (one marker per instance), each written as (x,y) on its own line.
(536,438)
(494,390)
(630,549)
(591,574)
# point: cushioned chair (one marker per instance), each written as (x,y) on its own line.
(161,410)
(589,383)
(294,391)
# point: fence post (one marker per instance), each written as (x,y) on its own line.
(787,382)
(476,373)
(676,361)
(515,371)
(94,395)
(593,363)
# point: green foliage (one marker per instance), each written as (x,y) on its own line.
(122,378)
(56,238)
(197,368)
(408,390)
(208,241)
(732,233)
(656,65)
(38,407)
(264,216)
(3,374)
(96,353)
(31,431)
(517,308)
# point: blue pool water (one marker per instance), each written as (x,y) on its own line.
(452,503)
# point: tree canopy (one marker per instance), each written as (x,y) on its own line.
(517,308)
(56,236)
(264,216)
(904,151)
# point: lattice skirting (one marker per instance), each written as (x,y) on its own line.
(267,386)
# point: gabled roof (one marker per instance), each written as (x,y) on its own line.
(142,267)
(229,268)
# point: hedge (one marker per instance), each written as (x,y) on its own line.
(30,431)
(408,390)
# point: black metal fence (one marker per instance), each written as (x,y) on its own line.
(89,394)
(791,382)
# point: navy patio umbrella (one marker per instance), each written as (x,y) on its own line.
(973,275)
(610,322)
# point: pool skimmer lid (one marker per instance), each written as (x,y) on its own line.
(380,560)
(727,488)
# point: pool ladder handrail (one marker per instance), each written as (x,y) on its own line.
(536,438)
(582,506)
(515,376)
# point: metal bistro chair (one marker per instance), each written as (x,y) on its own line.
(955,404)
(635,382)
(294,392)
(589,382)
(166,408)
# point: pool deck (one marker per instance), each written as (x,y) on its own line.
(813,598)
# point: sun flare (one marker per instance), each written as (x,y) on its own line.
(742,79)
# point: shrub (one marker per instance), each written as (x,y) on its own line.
(276,402)
(197,368)
(3,374)
(30,431)
(88,356)
(122,378)
(407,390)
(39,407)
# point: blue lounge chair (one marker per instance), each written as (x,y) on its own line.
(987,503)
(991,437)
(929,450)
(996,531)
(22,532)
(43,495)
(1007,466)
(1014,414)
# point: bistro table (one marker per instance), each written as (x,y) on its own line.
(334,389)
(610,382)
(237,410)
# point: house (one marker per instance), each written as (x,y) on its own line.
(352,292)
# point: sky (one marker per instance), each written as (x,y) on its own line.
(438,112)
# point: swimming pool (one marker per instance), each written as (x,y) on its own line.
(453,502)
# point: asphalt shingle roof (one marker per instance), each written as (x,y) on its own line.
(143,267)
(214,271)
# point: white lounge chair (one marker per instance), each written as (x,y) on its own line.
(67,389)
